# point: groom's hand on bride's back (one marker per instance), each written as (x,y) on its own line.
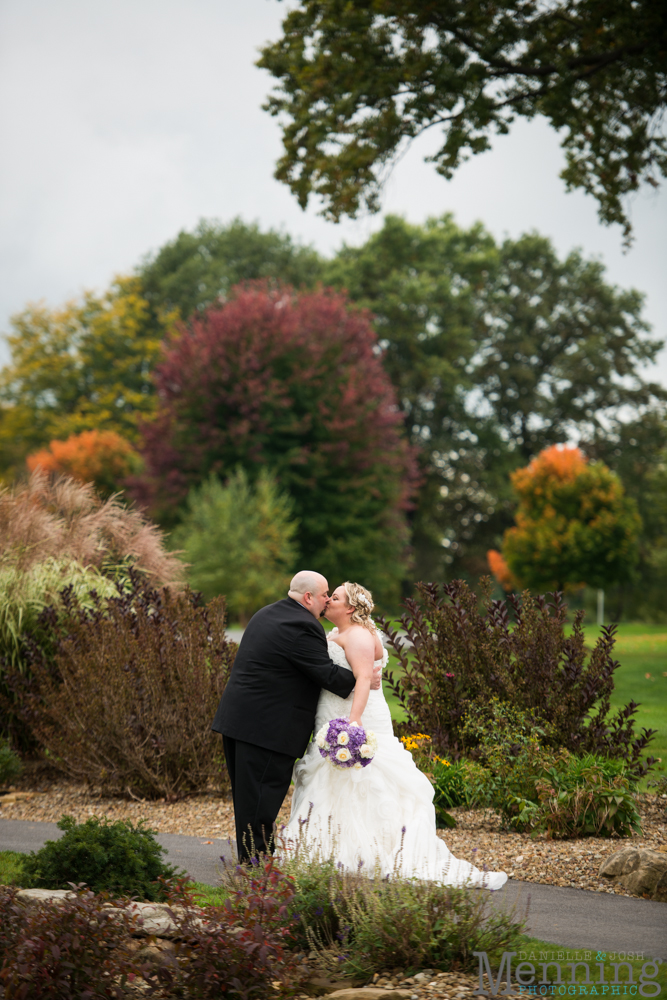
(377,678)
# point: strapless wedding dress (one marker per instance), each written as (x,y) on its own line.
(381,817)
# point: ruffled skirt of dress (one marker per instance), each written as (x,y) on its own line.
(381,817)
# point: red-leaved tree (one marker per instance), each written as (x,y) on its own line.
(292,382)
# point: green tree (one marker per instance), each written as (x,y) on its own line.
(496,352)
(574,524)
(360,80)
(239,539)
(84,367)
(197,268)
(638,454)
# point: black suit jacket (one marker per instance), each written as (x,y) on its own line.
(281,666)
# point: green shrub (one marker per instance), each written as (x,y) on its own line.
(530,785)
(492,728)
(239,540)
(523,652)
(588,796)
(565,795)
(462,783)
(118,858)
(126,699)
(412,925)
(10,763)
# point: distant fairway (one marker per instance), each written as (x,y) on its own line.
(642,650)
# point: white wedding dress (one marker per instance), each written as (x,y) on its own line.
(381,817)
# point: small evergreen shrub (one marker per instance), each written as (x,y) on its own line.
(72,950)
(10,763)
(117,858)
(523,652)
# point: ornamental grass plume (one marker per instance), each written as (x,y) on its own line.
(60,518)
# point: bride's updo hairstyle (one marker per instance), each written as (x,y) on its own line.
(361,600)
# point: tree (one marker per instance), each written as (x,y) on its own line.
(358,81)
(103,458)
(291,383)
(83,367)
(574,524)
(496,352)
(195,270)
(240,541)
(88,365)
(637,452)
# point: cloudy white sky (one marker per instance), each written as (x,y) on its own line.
(124,121)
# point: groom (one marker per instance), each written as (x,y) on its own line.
(267,711)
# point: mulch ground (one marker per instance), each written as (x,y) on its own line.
(477,838)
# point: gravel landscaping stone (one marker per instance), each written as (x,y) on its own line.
(478,837)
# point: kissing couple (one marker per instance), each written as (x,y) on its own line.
(289,679)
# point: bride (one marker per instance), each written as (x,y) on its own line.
(381,816)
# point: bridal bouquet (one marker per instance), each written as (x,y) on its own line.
(345,744)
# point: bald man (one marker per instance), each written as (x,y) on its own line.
(267,711)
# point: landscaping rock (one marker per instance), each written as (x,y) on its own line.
(620,863)
(370,993)
(641,872)
(152,919)
(661,890)
(44,895)
(320,986)
(157,953)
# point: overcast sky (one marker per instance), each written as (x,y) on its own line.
(124,121)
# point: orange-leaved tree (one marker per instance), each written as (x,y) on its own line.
(574,525)
(103,458)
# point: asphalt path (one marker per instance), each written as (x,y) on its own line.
(573,918)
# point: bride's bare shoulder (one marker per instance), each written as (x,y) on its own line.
(359,637)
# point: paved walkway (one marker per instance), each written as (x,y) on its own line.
(576,919)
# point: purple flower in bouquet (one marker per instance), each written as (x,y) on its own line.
(345,744)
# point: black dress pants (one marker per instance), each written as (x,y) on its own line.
(260,779)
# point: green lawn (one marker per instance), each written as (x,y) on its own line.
(642,675)
(642,653)
(10,867)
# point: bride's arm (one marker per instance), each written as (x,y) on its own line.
(359,650)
